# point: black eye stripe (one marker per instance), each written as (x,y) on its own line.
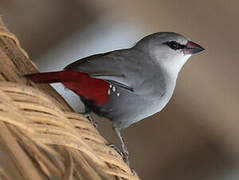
(175,45)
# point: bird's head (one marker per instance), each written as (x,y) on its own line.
(170,50)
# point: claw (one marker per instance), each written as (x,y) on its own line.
(117,149)
(124,155)
(95,124)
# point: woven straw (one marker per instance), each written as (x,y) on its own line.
(39,133)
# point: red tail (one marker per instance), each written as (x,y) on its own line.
(52,77)
(80,83)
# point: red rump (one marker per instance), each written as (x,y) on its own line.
(80,83)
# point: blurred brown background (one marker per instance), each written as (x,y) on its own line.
(196,136)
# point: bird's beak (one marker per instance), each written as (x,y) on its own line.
(192,48)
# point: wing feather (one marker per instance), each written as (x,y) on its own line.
(104,66)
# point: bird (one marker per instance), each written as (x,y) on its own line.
(127,85)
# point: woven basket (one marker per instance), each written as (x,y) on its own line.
(40,136)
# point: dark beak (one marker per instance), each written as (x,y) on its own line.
(192,48)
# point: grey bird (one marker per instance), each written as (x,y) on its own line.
(127,85)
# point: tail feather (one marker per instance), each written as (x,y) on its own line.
(49,77)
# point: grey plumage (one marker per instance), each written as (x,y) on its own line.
(142,78)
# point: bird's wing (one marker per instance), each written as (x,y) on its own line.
(111,67)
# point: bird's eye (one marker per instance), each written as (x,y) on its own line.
(175,45)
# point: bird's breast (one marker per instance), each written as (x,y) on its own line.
(159,95)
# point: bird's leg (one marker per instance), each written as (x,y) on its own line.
(123,146)
(88,116)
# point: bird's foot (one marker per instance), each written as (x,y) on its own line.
(124,155)
(113,146)
(133,171)
(95,124)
